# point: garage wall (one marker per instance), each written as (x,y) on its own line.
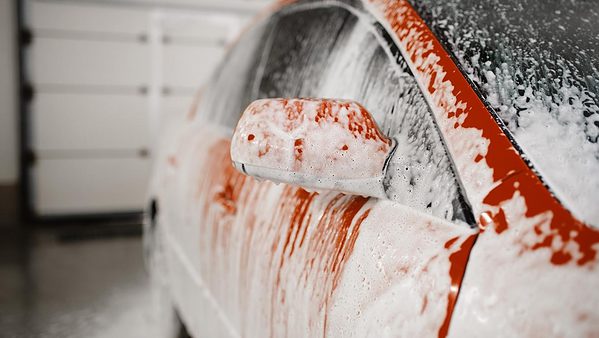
(103,72)
(8,116)
(65,144)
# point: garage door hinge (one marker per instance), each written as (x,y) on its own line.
(30,158)
(27,92)
(26,37)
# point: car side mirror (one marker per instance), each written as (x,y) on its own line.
(313,143)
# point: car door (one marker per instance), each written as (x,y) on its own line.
(276,260)
(534,270)
(173,233)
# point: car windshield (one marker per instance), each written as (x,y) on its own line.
(535,63)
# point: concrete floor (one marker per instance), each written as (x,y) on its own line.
(84,288)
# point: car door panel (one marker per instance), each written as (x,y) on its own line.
(256,259)
(533,270)
(281,261)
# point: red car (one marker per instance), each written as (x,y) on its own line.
(439,177)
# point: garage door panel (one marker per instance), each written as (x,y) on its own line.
(93,63)
(177,105)
(66,186)
(195,29)
(189,65)
(89,121)
(246,6)
(92,18)
(94,115)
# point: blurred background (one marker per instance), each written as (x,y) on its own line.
(84,85)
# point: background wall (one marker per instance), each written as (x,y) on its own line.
(8,116)
(104,74)
(93,67)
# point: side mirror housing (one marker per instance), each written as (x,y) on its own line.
(313,143)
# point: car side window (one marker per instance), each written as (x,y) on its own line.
(329,52)
(232,85)
(302,44)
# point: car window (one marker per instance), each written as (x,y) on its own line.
(232,86)
(329,52)
(302,44)
(536,64)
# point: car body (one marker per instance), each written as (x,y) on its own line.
(480,233)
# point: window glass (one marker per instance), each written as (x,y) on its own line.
(302,45)
(331,53)
(232,86)
(536,64)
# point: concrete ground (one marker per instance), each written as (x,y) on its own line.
(52,285)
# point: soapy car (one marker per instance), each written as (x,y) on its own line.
(387,168)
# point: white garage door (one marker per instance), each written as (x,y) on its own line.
(92,66)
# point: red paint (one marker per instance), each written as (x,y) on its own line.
(424,304)
(502,158)
(336,233)
(303,236)
(562,225)
(297,220)
(294,111)
(499,221)
(331,242)
(298,149)
(299,202)
(225,184)
(265,150)
(457,268)
(371,129)
(225,198)
(259,135)
(343,240)
(193,109)
(325,245)
(421,43)
(360,124)
(450,242)
(172,161)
